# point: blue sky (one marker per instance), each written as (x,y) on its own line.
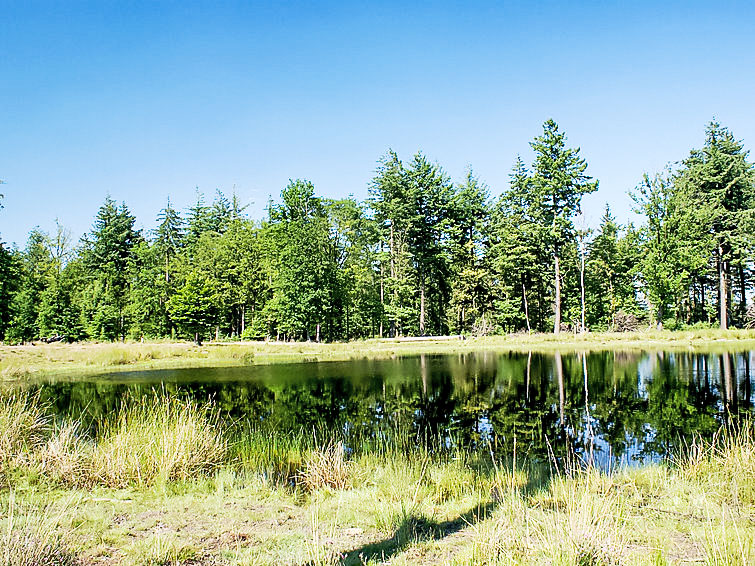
(144,100)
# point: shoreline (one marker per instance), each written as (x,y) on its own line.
(166,483)
(39,361)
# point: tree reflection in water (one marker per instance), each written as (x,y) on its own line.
(610,407)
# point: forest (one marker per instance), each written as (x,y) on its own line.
(421,256)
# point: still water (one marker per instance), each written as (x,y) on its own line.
(616,408)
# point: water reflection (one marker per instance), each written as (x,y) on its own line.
(609,407)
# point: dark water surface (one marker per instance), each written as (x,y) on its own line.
(616,407)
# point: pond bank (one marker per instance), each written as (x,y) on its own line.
(164,484)
(87,358)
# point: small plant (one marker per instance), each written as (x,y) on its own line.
(162,550)
(31,549)
(319,549)
(326,468)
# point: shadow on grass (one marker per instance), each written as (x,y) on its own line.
(413,528)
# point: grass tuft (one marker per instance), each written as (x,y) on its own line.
(159,439)
(22,428)
(326,467)
(30,538)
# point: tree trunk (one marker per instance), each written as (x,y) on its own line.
(526,306)
(742,295)
(382,299)
(392,252)
(582,284)
(557,309)
(723,293)
(422,308)
(317,333)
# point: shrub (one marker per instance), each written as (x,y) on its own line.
(625,322)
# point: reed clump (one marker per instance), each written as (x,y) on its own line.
(724,466)
(151,440)
(326,467)
(159,439)
(66,457)
(23,426)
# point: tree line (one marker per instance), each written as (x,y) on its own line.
(421,256)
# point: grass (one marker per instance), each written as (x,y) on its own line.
(22,426)
(165,482)
(39,360)
(31,538)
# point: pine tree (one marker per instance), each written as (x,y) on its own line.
(106,256)
(192,307)
(721,185)
(469,238)
(559,178)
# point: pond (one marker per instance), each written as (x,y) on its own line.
(614,408)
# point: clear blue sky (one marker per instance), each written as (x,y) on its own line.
(144,100)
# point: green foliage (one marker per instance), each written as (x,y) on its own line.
(9,283)
(193,306)
(106,257)
(422,256)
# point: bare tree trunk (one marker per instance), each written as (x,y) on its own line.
(317,333)
(392,254)
(382,299)
(557,314)
(722,290)
(422,307)
(742,294)
(582,281)
(526,306)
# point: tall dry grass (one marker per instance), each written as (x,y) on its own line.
(159,438)
(724,466)
(23,426)
(30,537)
(326,467)
(154,439)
